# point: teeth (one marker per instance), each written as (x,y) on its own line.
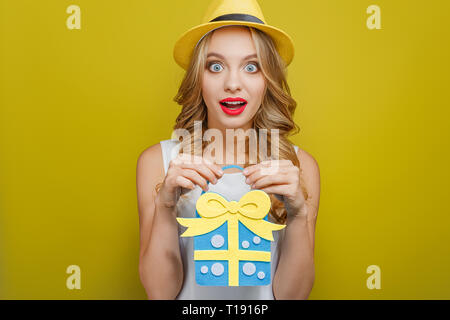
(233,102)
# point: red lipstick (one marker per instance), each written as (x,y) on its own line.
(233,106)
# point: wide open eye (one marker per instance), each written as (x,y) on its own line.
(252,67)
(215,67)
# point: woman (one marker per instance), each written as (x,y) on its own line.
(235,79)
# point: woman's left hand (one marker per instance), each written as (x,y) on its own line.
(280,177)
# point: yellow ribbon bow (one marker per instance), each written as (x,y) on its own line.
(214,210)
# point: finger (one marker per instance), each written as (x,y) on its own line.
(184,182)
(255,167)
(194,161)
(250,169)
(195,178)
(256,175)
(203,170)
(216,169)
(199,160)
(266,164)
(266,171)
(269,180)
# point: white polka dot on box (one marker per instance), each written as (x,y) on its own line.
(232,239)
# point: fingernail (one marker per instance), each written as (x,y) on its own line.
(247,180)
(220,172)
(245,171)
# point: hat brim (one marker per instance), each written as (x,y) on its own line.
(186,44)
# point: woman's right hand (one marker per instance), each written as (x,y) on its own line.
(186,171)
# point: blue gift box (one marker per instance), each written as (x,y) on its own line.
(232,239)
(216,272)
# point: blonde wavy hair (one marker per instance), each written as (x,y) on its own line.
(276,110)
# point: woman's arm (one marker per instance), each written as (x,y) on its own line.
(160,264)
(294,277)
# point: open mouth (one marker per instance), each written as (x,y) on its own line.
(233,103)
(233,106)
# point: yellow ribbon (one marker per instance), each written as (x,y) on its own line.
(214,210)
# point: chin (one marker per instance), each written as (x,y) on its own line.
(234,123)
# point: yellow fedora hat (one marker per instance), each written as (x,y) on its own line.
(231,12)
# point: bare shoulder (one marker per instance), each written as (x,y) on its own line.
(310,174)
(151,158)
(307,161)
(150,155)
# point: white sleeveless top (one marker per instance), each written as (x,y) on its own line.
(232,186)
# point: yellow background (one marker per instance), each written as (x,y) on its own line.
(78,107)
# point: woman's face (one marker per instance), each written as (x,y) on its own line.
(232,72)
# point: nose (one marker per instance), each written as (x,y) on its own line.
(233,81)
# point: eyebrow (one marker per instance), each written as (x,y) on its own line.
(223,58)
